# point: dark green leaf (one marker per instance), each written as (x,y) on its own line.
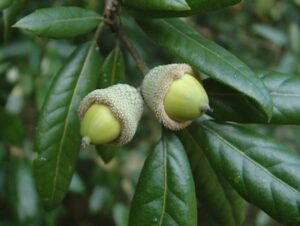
(285,93)
(230,105)
(107,152)
(182,41)
(57,137)
(172,5)
(12,129)
(9,16)
(233,106)
(150,8)
(165,193)
(113,69)
(263,171)
(5,3)
(60,22)
(222,203)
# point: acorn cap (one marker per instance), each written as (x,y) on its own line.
(124,101)
(155,87)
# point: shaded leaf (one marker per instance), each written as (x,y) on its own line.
(22,193)
(165,193)
(113,69)
(9,16)
(60,22)
(57,138)
(230,105)
(263,171)
(209,58)
(220,200)
(107,152)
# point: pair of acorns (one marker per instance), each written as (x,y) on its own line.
(171,91)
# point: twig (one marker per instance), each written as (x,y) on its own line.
(111,19)
(136,56)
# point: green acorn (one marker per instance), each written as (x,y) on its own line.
(110,115)
(175,95)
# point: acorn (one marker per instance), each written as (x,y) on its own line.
(110,115)
(175,95)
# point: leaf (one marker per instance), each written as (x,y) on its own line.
(9,16)
(204,55)
(12,128)
(165,193)
(57,136)
(59,22)
(223,204)
(113,69)
(285,93)
(174,8)
(172,5)
(230,105)
(22,194)
(107,152)
(263,171)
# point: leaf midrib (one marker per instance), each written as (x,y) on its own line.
(216,54)
(217,179)
(165,182)
(57,166)
(60,20)
(248,158)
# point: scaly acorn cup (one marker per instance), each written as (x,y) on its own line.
(110,115)
(175,95)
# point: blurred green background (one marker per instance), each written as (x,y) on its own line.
(263,33)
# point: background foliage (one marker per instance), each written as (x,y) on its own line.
(264,34)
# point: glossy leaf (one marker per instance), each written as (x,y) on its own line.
(165,193)
(113,69)
(263,171)
(59,22)
(285,93)
(209,58)
(172,5)
(219,199)
(230,105)
(5,3)
(57,136)
(178,8)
